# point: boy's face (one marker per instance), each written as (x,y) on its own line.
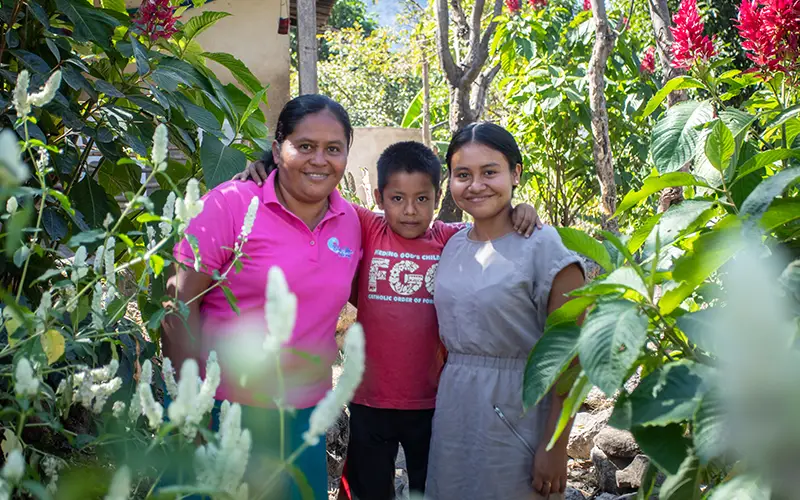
(408,202)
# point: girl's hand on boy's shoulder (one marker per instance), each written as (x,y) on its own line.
(256,172)
(525,219)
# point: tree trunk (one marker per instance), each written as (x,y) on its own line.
(307,46)
(660,17)
(604,42)
(426,101)
(460,116)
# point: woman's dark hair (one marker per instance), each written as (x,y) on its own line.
(490,135)
(298,108)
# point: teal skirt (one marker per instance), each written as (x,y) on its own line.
(305,479)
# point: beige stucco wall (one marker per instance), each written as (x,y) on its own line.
(368,144)
(250,33)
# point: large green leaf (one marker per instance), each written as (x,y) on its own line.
(91,200)
(666,446)
(119,178)
(781,211)
(675,137)
(765,158)
(762,196)
(669,395)
(685,485)
(199,24)
(677,83)
(219,162)
(699,327)
(720,146)
(680,219)
(570,311)
(140,54)
(252,106)
(91,25)
(179,71)
(413,114)
(709,434)
(784,116)
(572,403)
(641,233)
(551,355)
(654,184)
(737,121)
(610,341)
(199,115)
(619,280)
(115,5)
(582,243)
(237,68)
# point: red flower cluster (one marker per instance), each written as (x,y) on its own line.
(690,44)
(587,4)
(513,5)
(771,33)
(648,64)
(156,19)
(537,4)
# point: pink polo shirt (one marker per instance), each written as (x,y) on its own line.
(319,266)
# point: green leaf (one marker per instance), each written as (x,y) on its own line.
(782,211)
(413,114)
(91,200)
(678,83)
(53,345)
(762,196)
(199,24)
(683,218)
(641,233)
(764,159)
(570,311)
(106,88)
(181,72)
(685,485)
(548,359)
(219,162)
(621,279)
(39,13)
(252,106)
(737,121)
(32,61)
(237,68)
(699,327)
(157,263)
(675,137)
(669,395)
(654,184)
(610,341)
(742,488)
(580,242)
(200,116)
(140,54)
(784,116)
(709,434)
(665,446)
(119,178)
(720,146)
(115,5)
(577,395)
(91,25)
(231,298)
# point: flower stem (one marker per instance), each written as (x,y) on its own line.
(274,476)
(42,182)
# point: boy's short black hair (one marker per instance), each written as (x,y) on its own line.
(409,157)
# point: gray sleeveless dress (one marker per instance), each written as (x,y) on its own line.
(491,299)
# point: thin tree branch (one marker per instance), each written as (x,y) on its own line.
(451,72)
(460,19)
(482,84)
(479,52)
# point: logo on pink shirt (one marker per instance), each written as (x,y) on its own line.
(333,246)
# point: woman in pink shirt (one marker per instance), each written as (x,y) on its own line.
(307,229)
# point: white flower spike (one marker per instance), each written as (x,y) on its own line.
(20,98)
(249,219)
(160,148)
(280,310)
(328,410)
(14,468)
(12,169)
(12,205)
(48,92)
(169,378)
(25,381)
(120,487)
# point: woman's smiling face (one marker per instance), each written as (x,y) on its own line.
(312,159)
(482,180)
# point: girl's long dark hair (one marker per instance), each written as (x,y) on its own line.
(490,135)
(297,109)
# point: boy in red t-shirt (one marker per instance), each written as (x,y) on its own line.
(394,296)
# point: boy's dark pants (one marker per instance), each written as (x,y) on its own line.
(375,434)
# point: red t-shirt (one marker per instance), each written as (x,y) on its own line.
(404,356)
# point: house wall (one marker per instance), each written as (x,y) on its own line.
(368,144)
(251,35)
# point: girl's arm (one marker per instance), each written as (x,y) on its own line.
(550,467)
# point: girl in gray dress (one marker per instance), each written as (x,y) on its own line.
(494,291)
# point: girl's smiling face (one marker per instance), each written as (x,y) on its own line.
(482,181)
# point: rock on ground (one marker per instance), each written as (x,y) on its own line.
(630,478)
(617,443)
(586,427)
(573,494)
(606,469)
(346,319)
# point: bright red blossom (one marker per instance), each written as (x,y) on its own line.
(690,46)
(771,33)
(156,19)
(537,4)
(648,64)
(587,4)
(513,5)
